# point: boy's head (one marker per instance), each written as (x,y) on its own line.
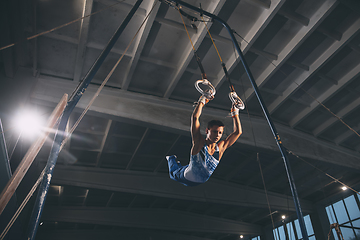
(215,123)
(214,130)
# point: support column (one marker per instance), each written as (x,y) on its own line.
(267,233)
(320,222)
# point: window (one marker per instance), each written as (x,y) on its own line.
(292,230)
(347,214)
(256,238)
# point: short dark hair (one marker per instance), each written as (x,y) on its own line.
(215,123)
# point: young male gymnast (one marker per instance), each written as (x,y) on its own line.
(205,152)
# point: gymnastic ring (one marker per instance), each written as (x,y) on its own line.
(208,94)
(236,100)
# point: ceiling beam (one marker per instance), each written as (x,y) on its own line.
(299,100)
(157,61)
(7,54)
(263,3)
(188,52)
(265,54)
(35,41)
(254,32)
(174,24)
(300,79)
(130,163)
(294,16)
(343,112)
(56,36)
(330,33)
(346,134)
(113,50)
(352,4)
(216,37)
(103,141)
(98,46)
(123,6)
(93,45)
(327,78)
(298,65)
(139,43)
(83,36)
(113,235)
(175,116)
(353,73)
(354,47)
(275,92)
(160,185)
(149,218)
(293,44)
(252,49)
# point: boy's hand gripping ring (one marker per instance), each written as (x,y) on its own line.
(237,102)
(208,93)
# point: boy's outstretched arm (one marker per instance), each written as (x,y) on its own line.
(197,139)
(231,139)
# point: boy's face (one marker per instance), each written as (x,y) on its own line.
(214,133)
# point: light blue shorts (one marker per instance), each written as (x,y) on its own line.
(176,172)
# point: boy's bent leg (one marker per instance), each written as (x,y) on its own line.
(174,167)
(176,171)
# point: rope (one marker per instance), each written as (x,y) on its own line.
(56,28)
(266,194)
(186,30)
(202,18)
(21,207)
(232,89)
(13,150)
(321,104)
(333,178)
(71,131)
(197,58)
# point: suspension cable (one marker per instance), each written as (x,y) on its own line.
(235,99)
(257,156)
(211,92)
(198,60)
(333,178)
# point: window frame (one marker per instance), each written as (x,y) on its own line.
(286,231)
(350,221)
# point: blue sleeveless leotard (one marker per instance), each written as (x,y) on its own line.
(202,165)
(199,170)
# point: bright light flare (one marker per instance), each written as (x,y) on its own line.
(283,216)
(241,236)
(344,188)
(29,123)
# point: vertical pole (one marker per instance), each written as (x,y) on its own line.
(55,149)
(266,113)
